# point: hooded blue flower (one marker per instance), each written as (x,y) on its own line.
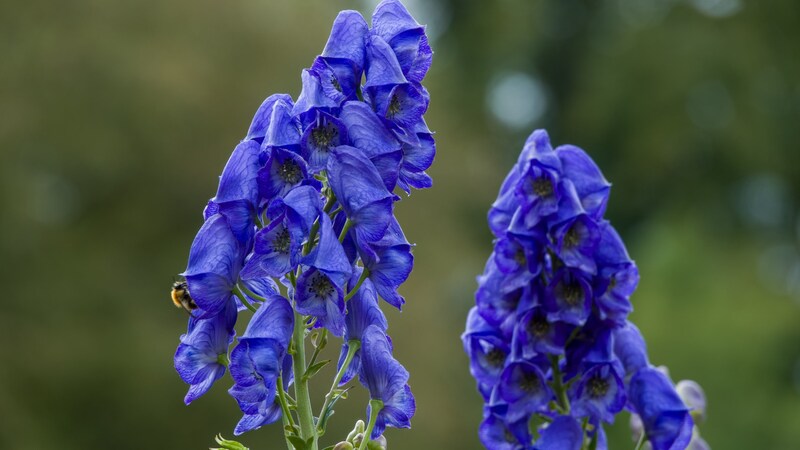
(590,185)
(496,434)
(215,259)
(313,98)
(263,117)
(237,194)
(390,263)
(630,348)
(535,334)
(569,297)
(285,170)
(576,241)
(600,394)
(283,128)
(320,287)
(666,419)
(320,136)
(202,354)
(258,360)
(418,156)
(564,433)
(362,312)
(341,64)
(277,250)
(618,275)
(395,25)
(524,387)
(394,98)
(370,135)
(364,198)
(387,381)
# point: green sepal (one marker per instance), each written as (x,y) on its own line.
(228,445)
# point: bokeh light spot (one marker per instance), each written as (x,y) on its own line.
(517,99)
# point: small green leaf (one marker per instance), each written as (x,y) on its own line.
(297,442)
(311,371)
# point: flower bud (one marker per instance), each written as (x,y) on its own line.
(343,446)
(358,429)
(377,444)
(693,396)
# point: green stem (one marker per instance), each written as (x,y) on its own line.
(345,229)
(375,407)
(334,212)
(243,287)
(642,440)
(352,348)
(242,298)
(364,275)
(301,393)
(558,386)
(287,416)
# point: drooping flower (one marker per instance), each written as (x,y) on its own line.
(202,356)
(362,312)
(364,199)
(666,419)
(387,382)
(258,360)
(215,259)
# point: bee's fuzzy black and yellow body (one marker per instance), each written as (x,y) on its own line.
(181,297)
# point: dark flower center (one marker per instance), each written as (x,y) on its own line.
(571,293)
(508,436)
(324,136)
(519,257)
(335,83)
(321,286)
(496,357)
(394,106)
(281,242)
(290,172)
(573,237)
(539,326)
(597,386)
(542,187)
(530,383)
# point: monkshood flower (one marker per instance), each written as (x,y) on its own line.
(693,398)
(202,356)
(392,403)
(258,360)
(215,258)
(362,312)
(548,340)
(302,233)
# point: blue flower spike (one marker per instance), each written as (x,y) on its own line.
(549,341)
(301,239)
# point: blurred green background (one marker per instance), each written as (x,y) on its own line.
(116,117)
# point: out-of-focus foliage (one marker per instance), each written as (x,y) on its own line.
(115,118)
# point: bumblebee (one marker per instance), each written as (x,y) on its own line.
(181,297)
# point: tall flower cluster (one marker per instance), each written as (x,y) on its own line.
(302,232)
(550,346)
